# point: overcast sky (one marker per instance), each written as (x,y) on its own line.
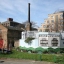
(18,9)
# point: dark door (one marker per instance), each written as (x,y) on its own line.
(12,43)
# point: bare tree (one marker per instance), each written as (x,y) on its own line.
(57,26)
(34,25)
(60,25)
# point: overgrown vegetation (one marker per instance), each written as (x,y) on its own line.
(38,57)
(38,54)
(42,50)
(29,39)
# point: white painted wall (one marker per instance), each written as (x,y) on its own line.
(34,43)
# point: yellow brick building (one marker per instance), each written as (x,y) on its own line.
(54,23)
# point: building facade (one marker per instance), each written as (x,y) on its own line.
(10,33)
(54,23)
(43,39)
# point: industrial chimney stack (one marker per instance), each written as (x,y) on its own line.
(29,12)
(28,24)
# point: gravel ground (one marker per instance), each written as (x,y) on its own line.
(16,61)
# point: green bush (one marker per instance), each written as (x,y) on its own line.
(39,49)
(57,50)
(61,50)
(50,50)
(45,51)
(18,49)
(30,49)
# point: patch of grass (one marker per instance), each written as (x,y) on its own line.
(32,56)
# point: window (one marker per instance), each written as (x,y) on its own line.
(46,35)
(43,42)
(44,26)
(47,26)
(61,20)
(47,21)
(44,39)
(52,21)
(52,25)
(54,42)
(6,24)
(30,34)
(40,30)
(63,42)
(48,16)
(40,35)
(62,36)
(23,35)
(61,16)
(52,16)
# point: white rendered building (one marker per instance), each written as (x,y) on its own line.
(43,39)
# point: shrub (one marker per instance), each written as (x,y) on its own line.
(57,50)
(39,49)
(61,50)
(45,51)
(31,48)
(18,49)
(50,50)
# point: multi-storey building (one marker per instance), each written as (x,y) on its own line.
(54,23)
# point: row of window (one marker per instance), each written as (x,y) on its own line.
(52,21)
(48,35)
(6,24)
(54,43)
(45,44)
(61,16)
(52,25)
(47,26)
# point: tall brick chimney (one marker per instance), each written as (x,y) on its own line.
(28,24)
(29,12)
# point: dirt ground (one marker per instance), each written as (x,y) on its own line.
(20,61)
